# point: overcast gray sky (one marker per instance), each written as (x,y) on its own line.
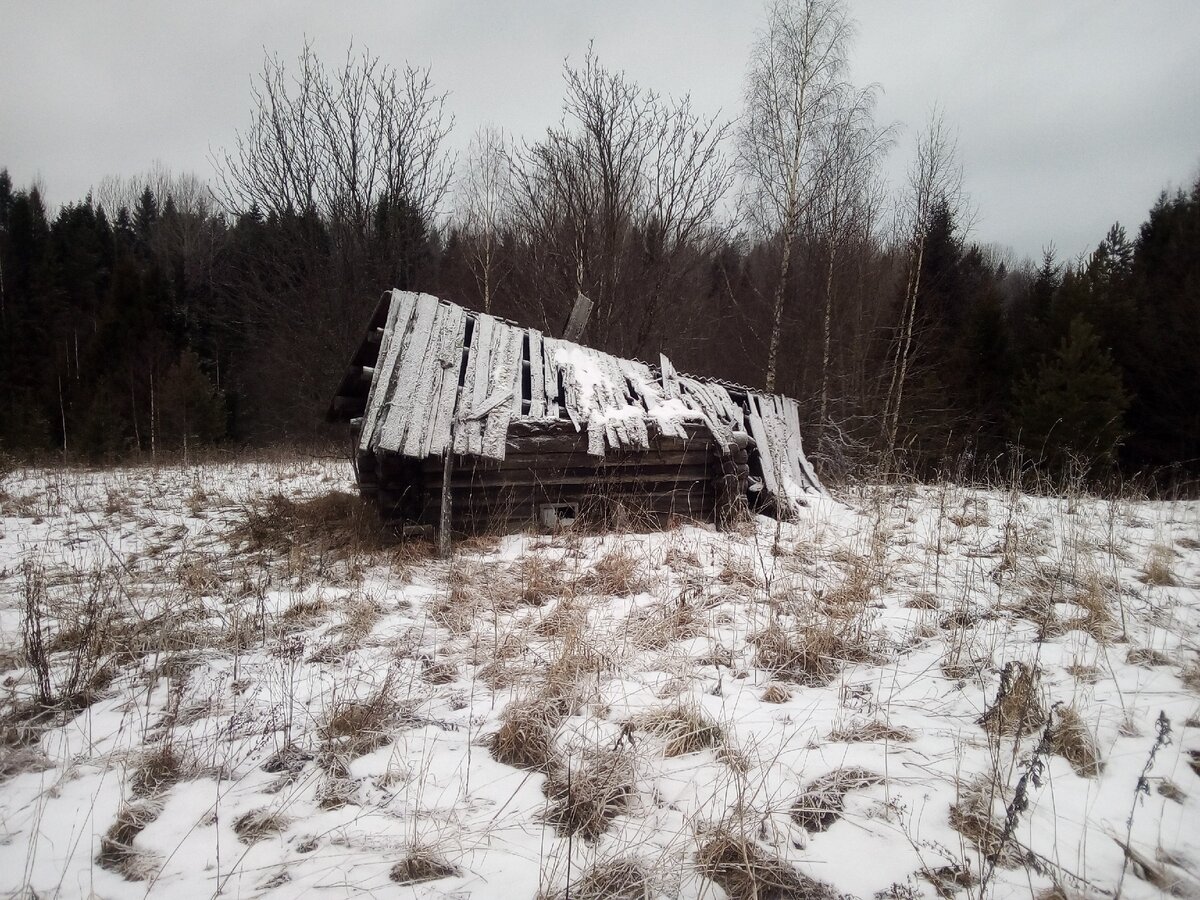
(1070,114)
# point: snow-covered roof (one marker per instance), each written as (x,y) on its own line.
(448,379)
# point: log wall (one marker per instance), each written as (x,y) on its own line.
(546,462)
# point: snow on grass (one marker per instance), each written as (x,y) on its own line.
(225,679)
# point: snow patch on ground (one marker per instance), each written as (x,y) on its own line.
(301,718)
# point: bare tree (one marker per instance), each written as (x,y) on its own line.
(484,202)
(188,193)
(339,142)
(349,164)
(795,89)
(934,182)
(844,206)
(620,201)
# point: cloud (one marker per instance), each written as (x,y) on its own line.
(1070,115)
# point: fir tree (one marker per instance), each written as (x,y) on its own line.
(1073,408)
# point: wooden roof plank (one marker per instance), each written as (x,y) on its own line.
(450,359)
(412,356)
(421,393)
(399,316)
(460,441)
(537,376)
(495,429)
(443,381)
(758,431)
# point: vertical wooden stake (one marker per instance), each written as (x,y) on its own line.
(444,523)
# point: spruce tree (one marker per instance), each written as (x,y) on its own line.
(1073,409)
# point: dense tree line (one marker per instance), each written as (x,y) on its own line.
(156,315)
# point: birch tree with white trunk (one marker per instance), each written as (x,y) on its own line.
(485,194)
(934,181)
(844,204)
(795,88)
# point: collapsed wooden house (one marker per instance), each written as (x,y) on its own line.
(463,420)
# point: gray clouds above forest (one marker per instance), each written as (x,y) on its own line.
(1069,115)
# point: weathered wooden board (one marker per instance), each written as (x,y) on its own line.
(423,389)
(450,359)
(398,316)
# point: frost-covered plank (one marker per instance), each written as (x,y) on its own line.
(518,398)
(467,430)
(486,326)
(450,359)
(460,440)
(709,408)
(670,378)
(471,427)
(494,392)
(424,389)
(412,357)
(400,309)
(759,433)
(508,371)
(790,411)
(537,377)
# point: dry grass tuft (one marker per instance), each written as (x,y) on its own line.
(422,864)
(658,626)
(776,693)
(923,600)
(458,609)
(584,799)
(18,758)
(437,671)
(337,525)
(1147,658)
(1170,790)
(117,852)
(811,654)
(975,817)
(685,728)
(745,872)
(355,727)
(854,592)
(1190,676)
(259,824)
(538,580)
(1088,674)
(277,523)
(948,880)
(1071,739)
(870,732)
(1157,572)
(1018,710)
(157,770)
(337,789)
(822,802)
(525,738)
(617,573)
(615,879)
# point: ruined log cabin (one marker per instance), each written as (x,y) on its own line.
(465,421)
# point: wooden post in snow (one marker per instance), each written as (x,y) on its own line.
(444,516)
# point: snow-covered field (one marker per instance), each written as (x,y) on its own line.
(911,691)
